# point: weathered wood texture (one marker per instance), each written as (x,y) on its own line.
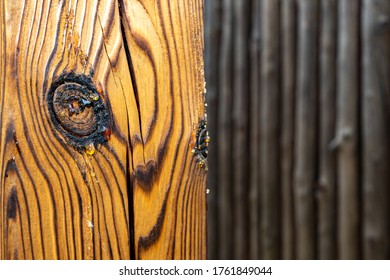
(138,194)
(318,152)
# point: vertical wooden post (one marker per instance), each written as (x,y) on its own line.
(212,42)
(327,203)
(225,159)
(348,129)
(241,128)
(289,32)
(305,125)
(270,129)
(376,129)
(254,185)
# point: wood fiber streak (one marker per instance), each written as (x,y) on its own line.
(165,49)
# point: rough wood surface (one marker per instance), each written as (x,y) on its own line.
(347,132)
(305,125)
(375,103)
(138,195)
(326,194)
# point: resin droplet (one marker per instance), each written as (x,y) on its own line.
(90,149)
(94,96)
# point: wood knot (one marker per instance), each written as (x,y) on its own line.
(78,112)
(202,139)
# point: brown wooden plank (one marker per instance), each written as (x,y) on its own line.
(347,129)
(225,159)
(165,53)
(254,187)
(103,130)
(270,223)
(289,32)
(376,130)
(305,125)
(241,128)
(212,17)
(326,195)
(63,195)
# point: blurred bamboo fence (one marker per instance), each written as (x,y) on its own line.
(298,96)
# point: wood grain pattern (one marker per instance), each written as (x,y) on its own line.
(165,50)
(60,203)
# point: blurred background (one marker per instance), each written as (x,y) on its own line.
(298,95)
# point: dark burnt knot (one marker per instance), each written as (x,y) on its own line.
(202,139)
(78,112)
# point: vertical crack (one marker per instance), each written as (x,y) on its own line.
(129,180)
